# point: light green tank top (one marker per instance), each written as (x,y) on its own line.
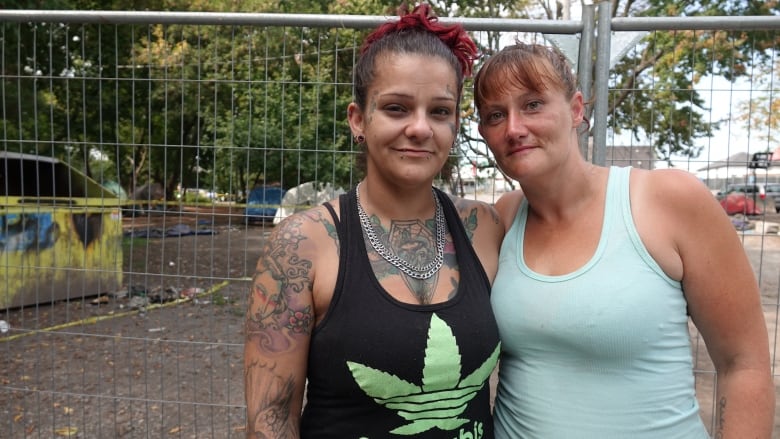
(602,352)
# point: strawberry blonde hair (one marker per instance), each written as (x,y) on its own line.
(531,66)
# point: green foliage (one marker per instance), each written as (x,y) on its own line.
(233,107)
(653,86)
(35,4)
(760,113)
(657,96)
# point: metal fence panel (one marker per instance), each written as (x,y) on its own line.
(183,121)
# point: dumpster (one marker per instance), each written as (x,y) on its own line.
(60,232)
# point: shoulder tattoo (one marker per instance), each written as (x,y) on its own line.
(276,309)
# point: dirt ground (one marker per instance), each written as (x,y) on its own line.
(162,357)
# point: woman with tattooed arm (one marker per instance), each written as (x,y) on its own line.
(377,303)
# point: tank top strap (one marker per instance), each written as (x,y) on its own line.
(333,215)
(341,221)
(618,199)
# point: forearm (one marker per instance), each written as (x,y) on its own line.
(273,401)
(745,405)
(273,382)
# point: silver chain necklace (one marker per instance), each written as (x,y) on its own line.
(388,255)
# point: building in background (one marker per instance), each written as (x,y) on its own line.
(737,168)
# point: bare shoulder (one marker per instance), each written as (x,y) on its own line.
(675,191)
(507,206)
(311,231)
(679,201)
(673,184)
(296,248)
(299,247)
(484,230)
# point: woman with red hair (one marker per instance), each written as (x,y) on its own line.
(378,302)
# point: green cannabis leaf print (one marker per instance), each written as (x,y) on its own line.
(443,395)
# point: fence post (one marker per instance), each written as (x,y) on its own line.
(601,85)
(585,69)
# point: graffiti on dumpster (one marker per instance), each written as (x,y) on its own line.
(89,227)
(27,232)
(22,232)
(44,251)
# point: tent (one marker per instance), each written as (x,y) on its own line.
(304,196)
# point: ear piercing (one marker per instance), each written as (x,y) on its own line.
(359,138)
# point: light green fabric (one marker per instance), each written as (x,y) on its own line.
(602,352)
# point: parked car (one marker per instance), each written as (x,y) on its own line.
(262,203)
(773,190)
(747,199)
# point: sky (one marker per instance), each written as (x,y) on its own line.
(722,101)
(725,101)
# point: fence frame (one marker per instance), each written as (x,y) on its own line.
(596,29)
(596,25)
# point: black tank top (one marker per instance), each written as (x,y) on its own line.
(380,368)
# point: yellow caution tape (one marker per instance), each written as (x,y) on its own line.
(93,320)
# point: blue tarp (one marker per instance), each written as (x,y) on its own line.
(262,203)
(174,231)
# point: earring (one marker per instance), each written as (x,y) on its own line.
(359,138)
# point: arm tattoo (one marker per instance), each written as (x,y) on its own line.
(279,319)
(272,418)
(328,224)
(276,306)
(470,223)
(721,418)
(470,220)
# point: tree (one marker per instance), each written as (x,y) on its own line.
(205,106)
(63,87)
(665,66)
(231,107)
(273,103)
(760,112)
